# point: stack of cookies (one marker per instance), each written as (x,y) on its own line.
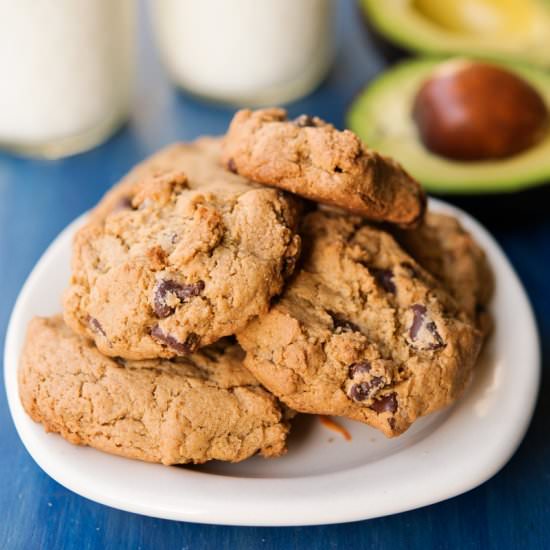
(226,284)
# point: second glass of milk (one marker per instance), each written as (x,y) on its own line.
(252,52)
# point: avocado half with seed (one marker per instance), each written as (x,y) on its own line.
(383,117)
(517,30)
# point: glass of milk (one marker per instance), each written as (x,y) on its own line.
(68,71)
(252,52)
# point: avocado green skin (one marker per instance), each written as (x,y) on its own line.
(396,41)
(381,116)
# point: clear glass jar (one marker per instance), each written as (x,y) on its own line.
(252,52)
(67,69)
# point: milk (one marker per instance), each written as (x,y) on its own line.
(67,69)
(245,51)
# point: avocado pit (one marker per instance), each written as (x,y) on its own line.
(472,111)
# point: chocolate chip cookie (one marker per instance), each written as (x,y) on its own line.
(311,158)
(178,255)
(202,407)
(362,331)
(201,159)
(444,248)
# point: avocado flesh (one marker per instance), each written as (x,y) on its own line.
(381,116)
(498,18)
(516,30)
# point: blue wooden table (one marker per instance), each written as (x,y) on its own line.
(37,199)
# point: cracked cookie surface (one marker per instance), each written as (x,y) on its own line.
(361,331)
(202,407)
(444,248)
(178,255)
(311,158)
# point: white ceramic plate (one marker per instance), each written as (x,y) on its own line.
(323,478)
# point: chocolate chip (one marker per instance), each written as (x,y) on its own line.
(95,325)
(182,292)
(421,323)
(231,166)
(344,325)
(419,314)
(359,368)
(191,342)
(387,403)
(391,422)
(304,121)
(338,170)
(365,390)
(384,278)
(439,343)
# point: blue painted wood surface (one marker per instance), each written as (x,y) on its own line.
(37,199)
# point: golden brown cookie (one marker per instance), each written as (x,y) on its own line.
(361,331)
(203,407)
(311,158)
(444,248)
(178,255)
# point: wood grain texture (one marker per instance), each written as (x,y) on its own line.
(37,199)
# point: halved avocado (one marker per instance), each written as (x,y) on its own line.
(382,117)
(517,30)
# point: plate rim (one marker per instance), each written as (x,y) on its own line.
(282,511)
